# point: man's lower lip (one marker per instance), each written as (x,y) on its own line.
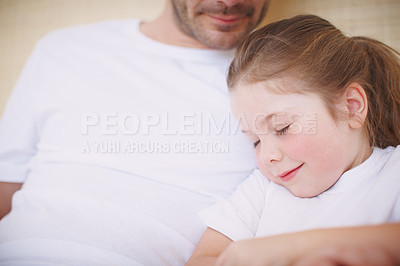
(226,20)
(289,176)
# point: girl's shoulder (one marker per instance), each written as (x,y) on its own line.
(389,154)
(388,160)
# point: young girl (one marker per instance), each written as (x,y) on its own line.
(323,111)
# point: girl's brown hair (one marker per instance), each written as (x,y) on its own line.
(314,51)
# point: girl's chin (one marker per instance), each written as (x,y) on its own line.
(304,194)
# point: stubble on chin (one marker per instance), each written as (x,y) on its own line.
(217,36)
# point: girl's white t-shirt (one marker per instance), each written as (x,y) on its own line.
(365,195)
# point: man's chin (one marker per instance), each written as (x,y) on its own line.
(221,40)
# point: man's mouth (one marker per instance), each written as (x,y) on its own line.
(226,18)
(224,15)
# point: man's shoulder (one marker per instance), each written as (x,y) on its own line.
(89,33)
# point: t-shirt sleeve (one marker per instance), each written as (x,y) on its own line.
(238,216)
(18,132)
(395,217)
(394,164)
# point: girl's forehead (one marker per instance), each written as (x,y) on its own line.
(285,84)
(263,98)
(269,91)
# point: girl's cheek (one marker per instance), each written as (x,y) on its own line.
(313,150)
(298,147)
(261,166)
(259,161)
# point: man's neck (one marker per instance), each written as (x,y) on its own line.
(164,29)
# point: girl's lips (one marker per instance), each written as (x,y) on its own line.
(286,176)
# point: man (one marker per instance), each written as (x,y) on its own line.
(121,133)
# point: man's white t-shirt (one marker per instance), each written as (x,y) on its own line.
(120,141)
(365,195)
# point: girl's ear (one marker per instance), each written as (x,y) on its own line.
(357,105)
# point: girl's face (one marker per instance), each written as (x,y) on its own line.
(297,142)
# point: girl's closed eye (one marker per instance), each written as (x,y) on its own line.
(283,130)
(256,143)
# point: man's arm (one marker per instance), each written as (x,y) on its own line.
(364,245)
(7,190)
(210,246)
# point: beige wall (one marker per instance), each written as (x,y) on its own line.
(379,19)
(23,22)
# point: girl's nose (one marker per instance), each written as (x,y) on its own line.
(270,153)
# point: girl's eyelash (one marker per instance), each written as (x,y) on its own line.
(277,132)
(256,143)
(282,131)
